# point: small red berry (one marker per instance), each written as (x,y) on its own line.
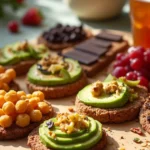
(13,26)
(119,72)
(32,17)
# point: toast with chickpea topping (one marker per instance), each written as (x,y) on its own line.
(7,77)
(20,113)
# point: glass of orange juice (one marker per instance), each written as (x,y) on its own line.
(140,20)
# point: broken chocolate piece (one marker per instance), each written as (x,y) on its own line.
(99,42)
(89,48)
(109,36)
(82,57)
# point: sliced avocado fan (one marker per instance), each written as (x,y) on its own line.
(65,76)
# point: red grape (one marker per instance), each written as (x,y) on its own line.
(119,72)
(147,56)
(136,63)
(143,81)
(119,56)
(125,60)
(131,76)
(136,52)
(117,63)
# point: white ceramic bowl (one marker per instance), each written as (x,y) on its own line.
(96,9)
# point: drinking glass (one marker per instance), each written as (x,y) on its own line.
(140,20)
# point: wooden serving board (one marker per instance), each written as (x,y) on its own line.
(119,135)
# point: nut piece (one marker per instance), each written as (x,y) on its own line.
(71,122)
(53,63)
(112,87)
(97,88)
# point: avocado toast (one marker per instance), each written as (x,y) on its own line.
(20,113)
(21,56)
(56,77)
(111,101)
(68,132)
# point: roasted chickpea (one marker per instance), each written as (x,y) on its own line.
(11,96)
(23,97)
(9,108)
(23,120)
(21,106)
(2,101)
(2,69)
(29,108)
(35,115)
(5,121)
(11,73)
(34,101)
(5,87)
(28,96)
(2,92)
(1,112)
(20,94)
(5,78)
(43,107)
(38,94)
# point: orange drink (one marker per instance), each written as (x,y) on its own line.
(140,20)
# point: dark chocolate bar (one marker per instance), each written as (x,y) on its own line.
(109,36)
(91,48)
(111,44)
(82,57)
(99,42)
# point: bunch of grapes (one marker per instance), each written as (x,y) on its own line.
(134,65)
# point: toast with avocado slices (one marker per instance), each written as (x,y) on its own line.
(111,101)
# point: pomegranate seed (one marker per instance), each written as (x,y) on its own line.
(13,26)
(119,72)
(131,76)
(119,56)
(136,64)
(143,81)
